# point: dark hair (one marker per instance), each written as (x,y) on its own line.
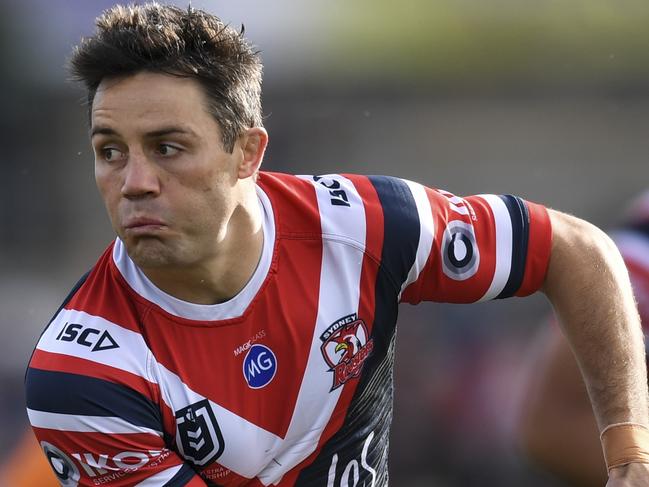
(167,39)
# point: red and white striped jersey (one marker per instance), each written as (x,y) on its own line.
(289,382)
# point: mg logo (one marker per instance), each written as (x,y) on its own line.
(198,435)
(259,366)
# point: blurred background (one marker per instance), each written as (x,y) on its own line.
(545,99)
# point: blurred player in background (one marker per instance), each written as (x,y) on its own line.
(240,330)
(557,418)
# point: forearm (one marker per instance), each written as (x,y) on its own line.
(589,288)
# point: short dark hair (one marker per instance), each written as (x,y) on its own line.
(167,39)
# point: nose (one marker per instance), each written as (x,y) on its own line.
(141,177)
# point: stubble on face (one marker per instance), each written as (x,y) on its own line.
(202,229)
(194,193)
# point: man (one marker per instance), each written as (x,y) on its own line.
(240,329)
(556,417)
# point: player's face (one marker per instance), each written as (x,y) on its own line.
(169,187)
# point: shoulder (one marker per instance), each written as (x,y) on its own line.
(332,198)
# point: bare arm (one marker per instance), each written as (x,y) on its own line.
(588,286)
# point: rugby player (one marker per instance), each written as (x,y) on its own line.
(240,328)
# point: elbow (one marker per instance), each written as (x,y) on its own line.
(581,255)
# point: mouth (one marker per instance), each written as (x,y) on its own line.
(139,226)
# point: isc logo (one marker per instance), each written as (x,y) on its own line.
(259,366)
(96,340)
(338,195)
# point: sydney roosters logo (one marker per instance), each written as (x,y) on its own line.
(345,347)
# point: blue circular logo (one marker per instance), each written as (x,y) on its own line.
(259,366)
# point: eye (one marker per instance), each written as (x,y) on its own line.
(111,154)
(167,150)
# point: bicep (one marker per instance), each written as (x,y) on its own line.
(481,248)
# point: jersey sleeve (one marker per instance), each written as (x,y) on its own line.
(95,413)
(470,249)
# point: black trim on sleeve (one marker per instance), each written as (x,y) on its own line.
(73,394)
(520,218)
(401,227)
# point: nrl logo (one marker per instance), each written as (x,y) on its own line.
(345,347)
(198,435)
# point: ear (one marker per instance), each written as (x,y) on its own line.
(253,145)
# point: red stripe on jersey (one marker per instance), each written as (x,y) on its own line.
(74,365)
(224,345)
(101,294)
(100,443)
(433,284)
(294,201)
(143,455)
(374,228)
(223,476)
(196,481)
(538,249)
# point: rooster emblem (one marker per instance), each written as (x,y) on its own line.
(345,348)
(349,345)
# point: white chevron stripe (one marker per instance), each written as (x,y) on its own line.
(85,424)
(179,395)
(161,478)
(344,231)
(130,356)
(504,238)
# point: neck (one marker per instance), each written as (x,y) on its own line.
(228,270)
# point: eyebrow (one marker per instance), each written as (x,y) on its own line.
(152,134)
(101,131)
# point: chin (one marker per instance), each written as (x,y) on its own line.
(153,255)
